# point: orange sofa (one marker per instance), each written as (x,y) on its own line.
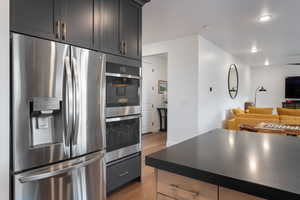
(289,116)
(253,117)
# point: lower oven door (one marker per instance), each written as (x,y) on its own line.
(78,179)
(123,136)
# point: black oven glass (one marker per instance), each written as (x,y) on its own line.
(122,91)
(122,134)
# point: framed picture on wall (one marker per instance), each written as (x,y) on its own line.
(162,87)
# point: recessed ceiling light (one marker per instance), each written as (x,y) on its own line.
(267,63)
(254,49)
(265,18)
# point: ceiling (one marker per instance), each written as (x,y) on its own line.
(231,24)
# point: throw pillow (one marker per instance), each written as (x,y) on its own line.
(255,110)
(287,111)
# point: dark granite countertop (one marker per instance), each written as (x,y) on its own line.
(263,165)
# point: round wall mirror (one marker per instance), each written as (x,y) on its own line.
(233,81)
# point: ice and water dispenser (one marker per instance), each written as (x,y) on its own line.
(45,118)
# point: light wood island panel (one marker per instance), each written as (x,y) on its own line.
(227,194)
(176,187)
(184,188)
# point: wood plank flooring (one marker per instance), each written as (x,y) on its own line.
(144,190)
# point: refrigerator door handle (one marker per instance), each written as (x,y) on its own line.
(69,99)
(61,168)
(103,99)
(76,100)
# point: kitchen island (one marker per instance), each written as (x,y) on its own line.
(229,165)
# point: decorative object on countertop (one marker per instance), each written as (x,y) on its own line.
(233,81)
(259,90)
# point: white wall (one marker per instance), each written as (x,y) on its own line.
(182,85)
(4,100)
(194,65)
(213,69)
(154,69)
(273,79)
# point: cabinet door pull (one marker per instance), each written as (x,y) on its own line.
(58,24)
(183,192)
(122,49)
(64,29)
(124,174)
(125,47)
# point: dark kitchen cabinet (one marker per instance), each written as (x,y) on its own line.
(77,22)
(111,26)
(118,27)
(107,26)
(130,28)
(123,171)
(70,21)
(37,18)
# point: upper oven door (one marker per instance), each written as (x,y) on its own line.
(122,90)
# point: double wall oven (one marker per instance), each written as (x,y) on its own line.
(123,108)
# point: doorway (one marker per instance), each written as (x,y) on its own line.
(154,93)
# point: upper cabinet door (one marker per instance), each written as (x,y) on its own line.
(130,28)
(37,18)
(107,26)
(77,22)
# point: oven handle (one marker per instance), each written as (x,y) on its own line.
(118,119)
(123,75)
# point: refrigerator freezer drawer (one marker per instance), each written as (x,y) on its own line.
(78,179)
(122,172)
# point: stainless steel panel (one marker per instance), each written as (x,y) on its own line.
(38,129)
(89,78)
(122,111)
(120,153)
(79,179)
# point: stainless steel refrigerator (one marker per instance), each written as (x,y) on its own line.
(58,121)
